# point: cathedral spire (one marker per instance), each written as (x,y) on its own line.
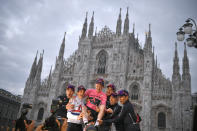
(137,36)
(156,62)
(149,31)
(134,29)
(176,67)
(176,53)
(91,27)
(96,31)
(153,56)
(39,67)
(33,68)
(51,70)
(50,75)
(185,51)
(146,35)
(126,23)
(153,52)
(186,77)
(84,30)
(153,49)
(148,41)
(185,63)
(119,24)
(61,52)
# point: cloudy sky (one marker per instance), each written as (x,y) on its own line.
(30,25)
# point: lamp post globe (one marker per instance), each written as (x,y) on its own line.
(180,35)
(188,27)
(190,41)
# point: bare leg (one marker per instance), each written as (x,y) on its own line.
(101,112)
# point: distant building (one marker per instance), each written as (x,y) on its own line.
(9,107)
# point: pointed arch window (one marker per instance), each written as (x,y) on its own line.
(40,114)
(161,120)
(134,92)
(102,60)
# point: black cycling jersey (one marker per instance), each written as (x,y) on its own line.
(62,111)
(127,116)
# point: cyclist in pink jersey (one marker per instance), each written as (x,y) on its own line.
(97,99)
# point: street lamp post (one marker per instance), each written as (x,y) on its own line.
(187,29)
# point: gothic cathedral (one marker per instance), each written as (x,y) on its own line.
(118,58)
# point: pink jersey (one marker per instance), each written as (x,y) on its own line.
(95,98)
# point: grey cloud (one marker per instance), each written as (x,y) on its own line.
(40,24)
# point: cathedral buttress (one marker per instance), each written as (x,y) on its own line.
(148,82)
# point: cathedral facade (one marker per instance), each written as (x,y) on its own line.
(118,58)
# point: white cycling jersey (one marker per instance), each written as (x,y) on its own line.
(74,113)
